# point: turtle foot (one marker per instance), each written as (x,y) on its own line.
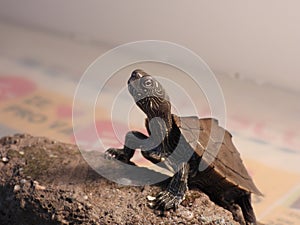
(166,200)
(175,192)
(114,153)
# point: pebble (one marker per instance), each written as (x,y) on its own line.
(5,159)
(89,205)
(38,187)
(203,219)
(63,221)
(186,214)
(220,221)
(151,198)
(167,214)
(17,188)
(85,197)
(151,204)
(21,152)
(23,181)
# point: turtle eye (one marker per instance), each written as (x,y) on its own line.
(148,83)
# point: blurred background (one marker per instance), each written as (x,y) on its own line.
(255,40)
(252,47)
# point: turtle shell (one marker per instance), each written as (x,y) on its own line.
(215,147)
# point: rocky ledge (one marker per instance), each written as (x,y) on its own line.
(43,181)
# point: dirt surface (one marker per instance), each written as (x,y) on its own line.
(47,182)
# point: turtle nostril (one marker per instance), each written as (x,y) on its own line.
(136,74)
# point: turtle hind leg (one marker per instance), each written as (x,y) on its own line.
(245,203)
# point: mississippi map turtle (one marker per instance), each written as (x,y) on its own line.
(172,138)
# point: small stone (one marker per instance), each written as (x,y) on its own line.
(85,197)
(220,221)
(21,152)
(17,188)
(186,214)
(38,187)
(63,221)
(167,214)
(203,219)
(158,212)
(151,198)
(5,159)
(151,204)
(23,181)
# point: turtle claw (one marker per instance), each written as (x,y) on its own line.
(114,153)
(166,200)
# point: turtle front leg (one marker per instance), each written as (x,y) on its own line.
(175,191)
(131,144)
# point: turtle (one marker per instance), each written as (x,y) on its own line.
(180,143)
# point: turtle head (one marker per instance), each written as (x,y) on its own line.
(149,94)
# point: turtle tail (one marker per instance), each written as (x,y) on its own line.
(245,203)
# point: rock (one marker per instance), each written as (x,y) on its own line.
(5,159)
(151,198)
(186,214)
(23,181)
(37,188)
(17,188)
(21,153)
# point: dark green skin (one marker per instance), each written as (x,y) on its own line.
(152,99)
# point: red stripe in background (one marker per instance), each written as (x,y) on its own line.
(14,87)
